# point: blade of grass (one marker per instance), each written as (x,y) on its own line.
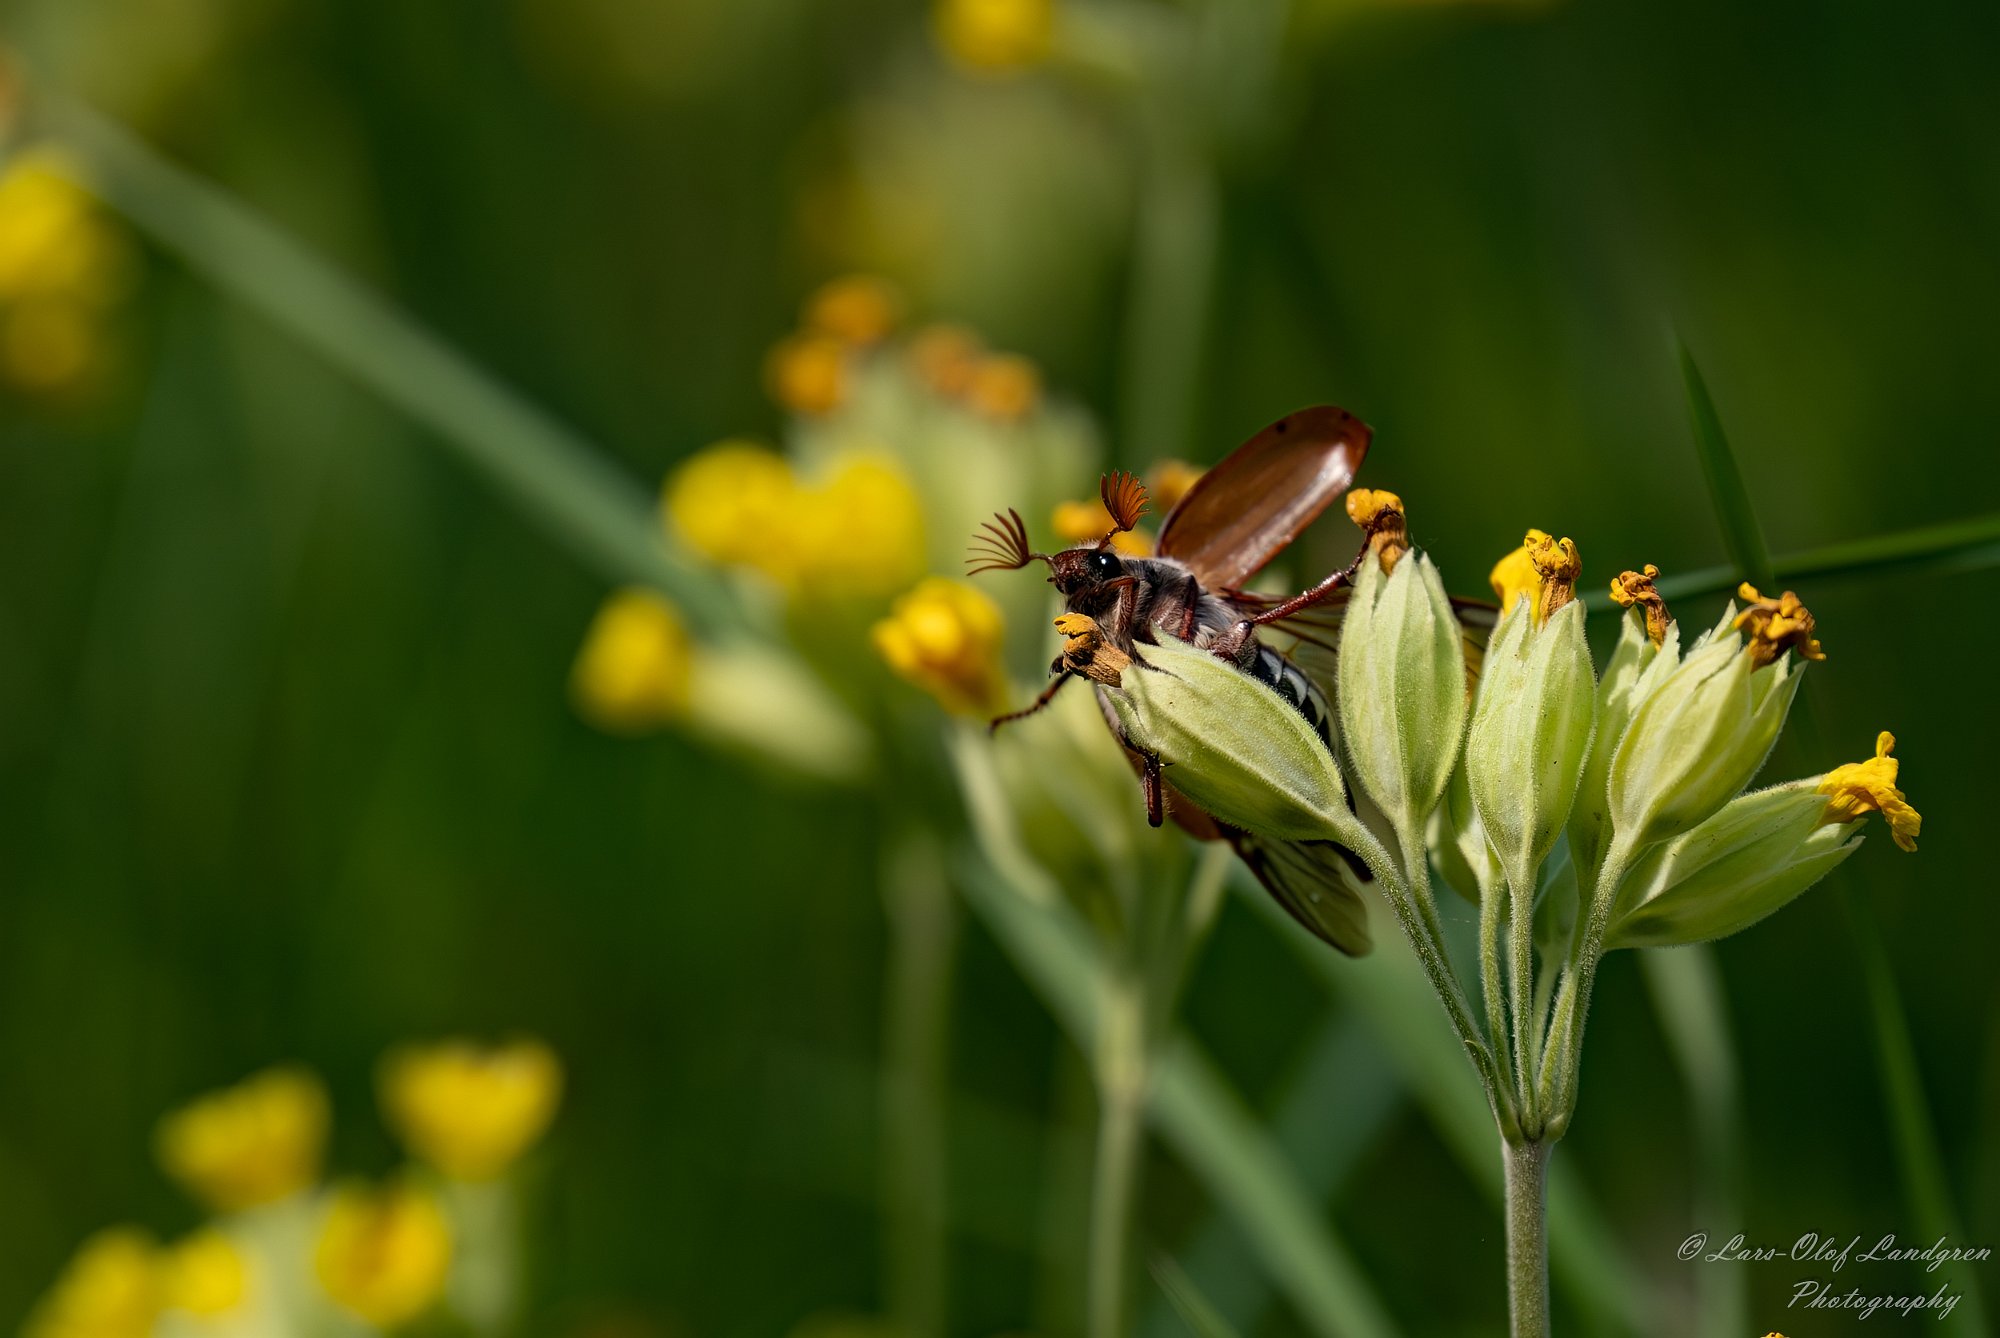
(1195,1111)
(1686,989)
(1944,548)
(1918,1157)
(1202,1319)
(1731,497)
(1388,988)
(552,474)
(1341,1098)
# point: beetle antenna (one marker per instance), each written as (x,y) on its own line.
(1001,544)
(1125,498)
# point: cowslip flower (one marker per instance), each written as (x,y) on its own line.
(733,503)
(249,1145)
(62,267)
(995,36)
(383,1254)
(945,637)
(204,1274)
(1700,729)
(635,668)
(807,373)
(858,534)
(1087,521)
(945,357)
(109,1289)
(1533,713)
(1773,626)
(857,308)
(1004,387)
(1856,789)
(1543,570)
(471,1110)
(1170,480)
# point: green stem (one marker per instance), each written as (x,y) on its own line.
(1563,1052)
(1121,1095)
(1527,1239)
(1521,980)
(1491,973)
(922,955)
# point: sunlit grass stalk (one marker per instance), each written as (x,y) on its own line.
(916,1082)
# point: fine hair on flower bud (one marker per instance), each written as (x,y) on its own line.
(1402,687)
(1229,743)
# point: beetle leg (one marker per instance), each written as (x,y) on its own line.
(1149,784)
(1063,675)
(1191,592)
(1318,594)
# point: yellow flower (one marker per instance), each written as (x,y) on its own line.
(807,373)
(1004,387)
(944,636)
(1543,568)
(49,343)
(471,1110)
(637,662)
(1774,626)
(858,309)
(1859,788)
(383,1253)
(251,1144)
(1170,480)
(995,36)
(1636,587)
(734,503)
(110,1289)
(204,1274)
(1382,518)
(945,357)
(53,238)
(1086,523)
(861,533)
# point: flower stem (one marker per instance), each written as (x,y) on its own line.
(923,939)
(1527,1239)
(1121,1095)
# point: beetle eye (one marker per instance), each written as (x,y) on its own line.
(1106,566)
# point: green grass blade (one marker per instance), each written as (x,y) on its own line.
(1202,1319)
(1741,534)
(1342,1096)
(1686,989)
(552,474)
(1389,990)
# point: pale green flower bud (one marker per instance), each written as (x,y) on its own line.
(1757,853)
(1636,668)
(1229,743)
(1531,728)
(1695,742)
(1402,686)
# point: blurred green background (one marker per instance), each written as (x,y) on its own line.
(289,767)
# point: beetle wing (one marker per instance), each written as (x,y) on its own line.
(1314,882)
(1244,512)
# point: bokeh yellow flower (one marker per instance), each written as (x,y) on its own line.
(944,636)
(62,266)
(857,532)
(471,1110)
(110,1289)
(945,357)
(734,503)
(383,1254)
(1170,480)
(251,1144)
(1856,789)
(204,1274)
(995,36)
(858,309)
(1004,387)
(636,665)
(807,373)
(1773,626)
(1085,522)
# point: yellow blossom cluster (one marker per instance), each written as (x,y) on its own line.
(251,1154)
(855,532)
(63,268)
(995,37)
(944,636)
